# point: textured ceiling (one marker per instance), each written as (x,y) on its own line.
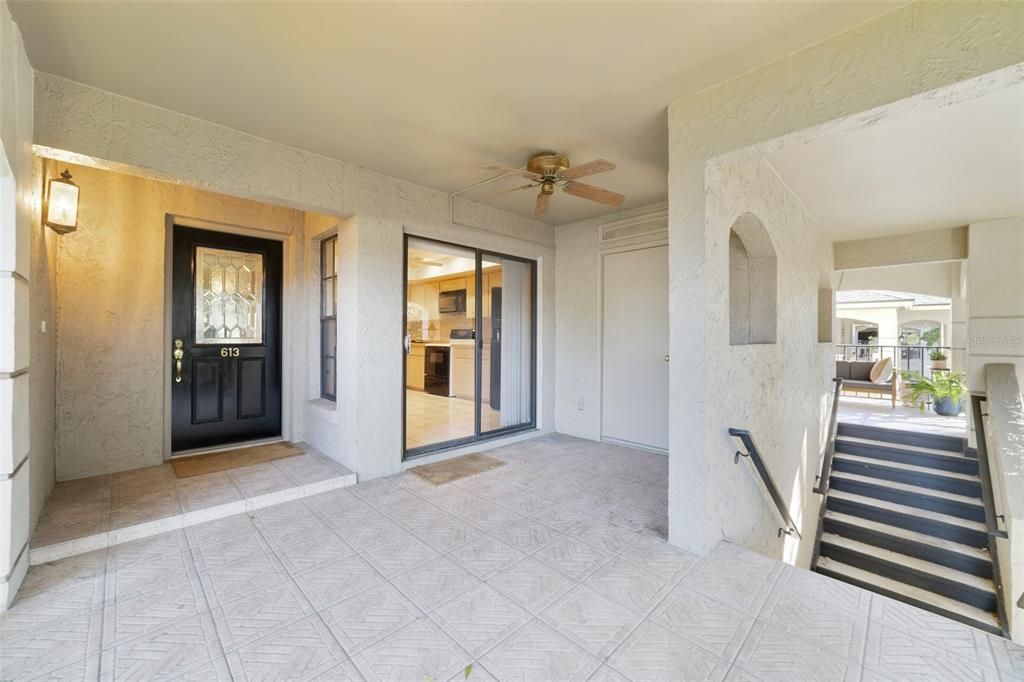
(944,168)
(430,92)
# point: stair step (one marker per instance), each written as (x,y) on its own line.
(922,477)
(949,582)
(909,448)
(973,560)
(962,506)
(930,601)
(932,460)
(902,437)
(937,524)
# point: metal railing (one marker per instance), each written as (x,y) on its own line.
(988,501)
(755,456)
(904,358)
(830,445)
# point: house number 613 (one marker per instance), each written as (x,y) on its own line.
(229,352)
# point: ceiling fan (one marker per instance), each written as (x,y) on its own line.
(550,170)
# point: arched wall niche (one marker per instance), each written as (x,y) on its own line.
(753,288)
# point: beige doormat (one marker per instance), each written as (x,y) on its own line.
(453,469)
(212,462)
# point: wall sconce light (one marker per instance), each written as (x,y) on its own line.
(62,204)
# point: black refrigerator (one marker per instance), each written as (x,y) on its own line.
(495,348)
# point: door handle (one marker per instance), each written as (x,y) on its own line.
(666,357)
(179,353)
(407,342)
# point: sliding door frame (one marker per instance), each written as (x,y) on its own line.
(477,437)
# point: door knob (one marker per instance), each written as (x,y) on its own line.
(179,353)
(666,357)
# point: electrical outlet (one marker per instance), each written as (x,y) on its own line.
(579,405)
(42,327)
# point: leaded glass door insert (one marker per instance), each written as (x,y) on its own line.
(228,296)
(225,345)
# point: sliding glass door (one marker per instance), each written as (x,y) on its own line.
(468,350)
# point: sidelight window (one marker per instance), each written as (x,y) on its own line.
(329,318)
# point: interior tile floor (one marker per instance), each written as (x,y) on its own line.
(881,413)
(431,419)
(90,513)
(553,567)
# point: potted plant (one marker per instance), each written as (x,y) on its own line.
(938,359)
(946,389)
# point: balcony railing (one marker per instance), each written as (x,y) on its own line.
(905,358)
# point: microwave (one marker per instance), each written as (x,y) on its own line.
(452,301)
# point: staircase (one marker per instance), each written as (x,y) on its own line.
(904,517)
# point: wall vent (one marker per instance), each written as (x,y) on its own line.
(649,227)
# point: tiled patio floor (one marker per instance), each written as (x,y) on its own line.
(880,413)
(91,513)
(552,567)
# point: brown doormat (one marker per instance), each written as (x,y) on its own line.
(212,462)
(453,469)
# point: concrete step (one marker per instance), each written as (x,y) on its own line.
(924,599)
(939,525)
(967,485)
(956,463)
(949,582)
(963,506)
(902,437)
(973,560)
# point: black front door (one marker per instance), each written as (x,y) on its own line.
(225,339)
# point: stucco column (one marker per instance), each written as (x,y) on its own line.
(369,341)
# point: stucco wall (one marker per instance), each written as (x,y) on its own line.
(105,130)
(110,313)
(578,322)
(779,391)
(840,83)
(995,291)
(25,367)
(43,371)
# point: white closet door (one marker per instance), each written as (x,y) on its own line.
(635,373)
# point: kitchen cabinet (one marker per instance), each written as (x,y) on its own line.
(463,371)
(453,284)
(425,296)
(414,367)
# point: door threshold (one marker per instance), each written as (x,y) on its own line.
(224,448)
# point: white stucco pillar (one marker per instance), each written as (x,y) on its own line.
(995,292)
(17,200)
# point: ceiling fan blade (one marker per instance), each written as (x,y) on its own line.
(513,171)
(604,196)
(543,201)
(591,168)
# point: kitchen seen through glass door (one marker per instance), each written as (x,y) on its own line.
(469,345)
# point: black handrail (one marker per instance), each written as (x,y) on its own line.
(984,471)
(830,445)
(988,501)
(755,456)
